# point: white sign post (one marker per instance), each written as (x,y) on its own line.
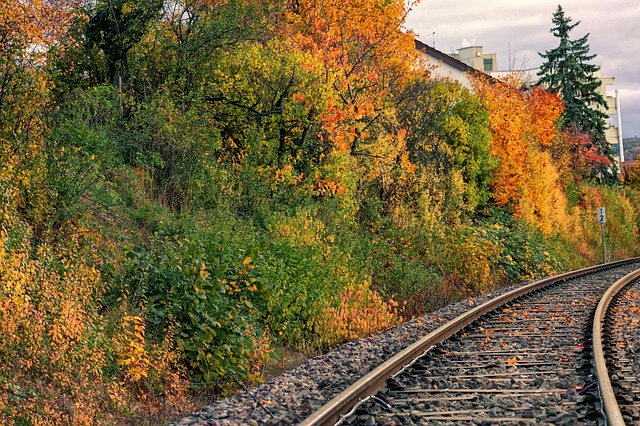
(602,219)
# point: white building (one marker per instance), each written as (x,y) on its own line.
(446,66)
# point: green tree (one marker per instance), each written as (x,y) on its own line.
(448,134)
(189,38)
(567,70)
(115,26)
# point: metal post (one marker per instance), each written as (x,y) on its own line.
(604,248)
(601,218)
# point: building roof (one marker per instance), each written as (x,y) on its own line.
(449,60)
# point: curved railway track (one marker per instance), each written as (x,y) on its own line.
(522,358)
(616,347)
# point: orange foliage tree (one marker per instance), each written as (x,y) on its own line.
(544,109)
(507,115)
(525,136)
(365,53)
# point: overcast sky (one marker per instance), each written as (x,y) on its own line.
(516,30)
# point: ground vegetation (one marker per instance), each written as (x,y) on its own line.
(264,178)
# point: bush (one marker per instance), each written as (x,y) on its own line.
(53,349)
(356,312)
(188,284)
(524,253)
(298,269)
(621,228)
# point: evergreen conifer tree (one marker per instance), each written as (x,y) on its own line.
(566,70)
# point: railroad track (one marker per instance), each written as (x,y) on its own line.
(525,357)
(616,344)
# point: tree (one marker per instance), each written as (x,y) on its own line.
(115,26)
(523,136)
(448,133)
(190,36)
(31,32)
(567,71)
(366,55)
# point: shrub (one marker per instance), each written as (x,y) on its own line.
(356,312)
(524,252)
(52,349)
(299,273)
(621,228)
(181,283)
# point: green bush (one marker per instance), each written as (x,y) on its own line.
(621,229)
(525,254)
(298,265)
(192,282)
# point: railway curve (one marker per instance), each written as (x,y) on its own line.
(527,362)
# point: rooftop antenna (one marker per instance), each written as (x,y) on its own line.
(434,39)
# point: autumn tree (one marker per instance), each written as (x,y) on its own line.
(525,132)
(568,71)
(31,32)
(506,115)
(367,54)
(275,91)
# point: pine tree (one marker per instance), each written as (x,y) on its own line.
(567,70)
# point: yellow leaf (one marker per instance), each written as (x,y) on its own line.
(247,261)
(203,271)
(512,361)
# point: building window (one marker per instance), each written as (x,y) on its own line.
(488,64)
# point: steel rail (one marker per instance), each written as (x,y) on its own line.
(330,413)
(610,406)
